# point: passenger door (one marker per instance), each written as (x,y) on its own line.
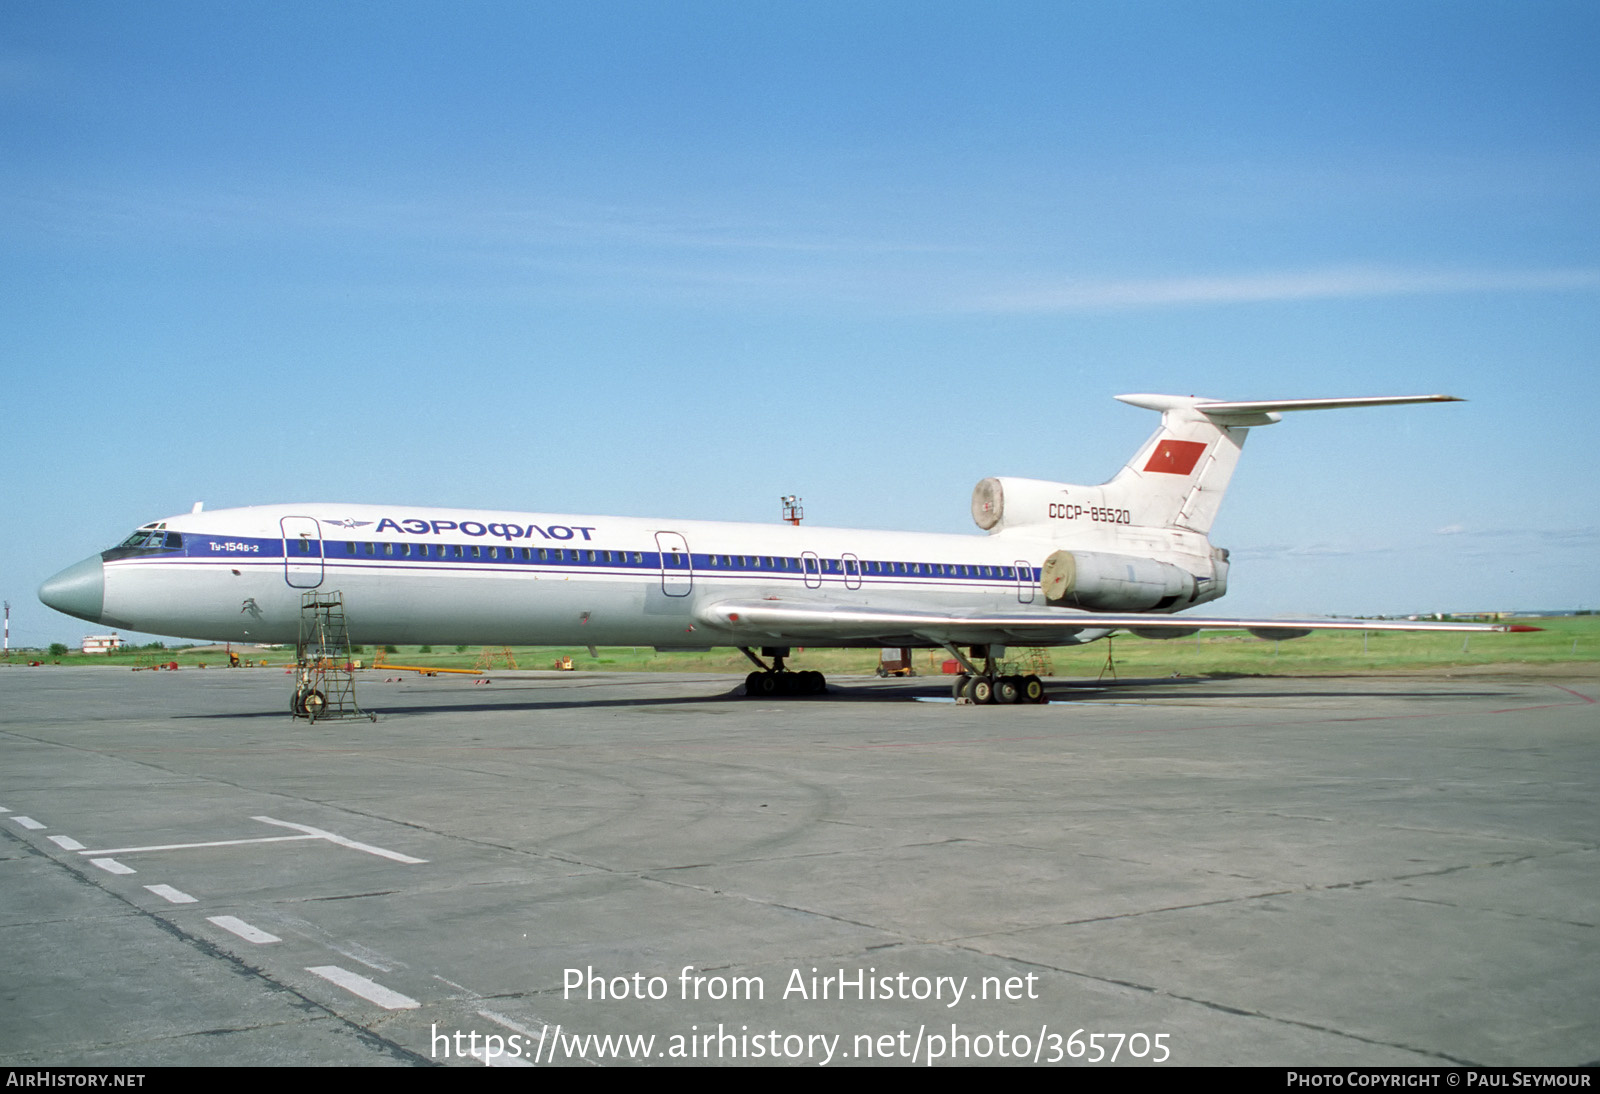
(677,566)
(302,552)
(811,567)
(1024,581)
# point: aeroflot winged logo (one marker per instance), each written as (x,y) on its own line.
(1175,457)
(350,523)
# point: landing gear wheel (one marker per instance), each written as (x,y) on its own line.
(958,688)
(982,690)
(775,682)
(1009,690)
(1032,689)
(308,704)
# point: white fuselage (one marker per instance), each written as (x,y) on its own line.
(445,576)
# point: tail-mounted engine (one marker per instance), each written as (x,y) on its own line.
(1000,503)
(1114,583)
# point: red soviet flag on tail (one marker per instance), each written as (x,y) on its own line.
(1175,457)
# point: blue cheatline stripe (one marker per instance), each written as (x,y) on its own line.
(247,550)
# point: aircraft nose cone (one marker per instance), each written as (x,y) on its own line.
(78,590)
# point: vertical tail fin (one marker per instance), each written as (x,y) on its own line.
(1175,480)
(1178,477)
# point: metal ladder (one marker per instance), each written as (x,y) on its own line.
(325,680)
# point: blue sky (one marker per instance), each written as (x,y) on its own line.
(680,258)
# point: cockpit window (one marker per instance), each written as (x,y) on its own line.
(152,539)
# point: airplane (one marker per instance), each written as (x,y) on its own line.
(1060,565)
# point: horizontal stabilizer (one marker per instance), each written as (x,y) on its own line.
(1177,479)
(1275,406)
(1270,406)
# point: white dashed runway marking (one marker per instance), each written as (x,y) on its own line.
(112,866)
(237,926)
(168,893)
(370,990)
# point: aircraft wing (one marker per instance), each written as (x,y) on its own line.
(779,622)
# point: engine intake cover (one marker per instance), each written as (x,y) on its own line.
(1113,583)
(988,503)
(1007,502)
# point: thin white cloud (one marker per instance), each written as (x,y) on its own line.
(1341,282)
(1569,534)
(1464,541)
(1308,550)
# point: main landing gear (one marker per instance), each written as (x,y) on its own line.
(777,680)
(988,686)
(998,689)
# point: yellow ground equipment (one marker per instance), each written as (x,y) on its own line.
(429,670)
